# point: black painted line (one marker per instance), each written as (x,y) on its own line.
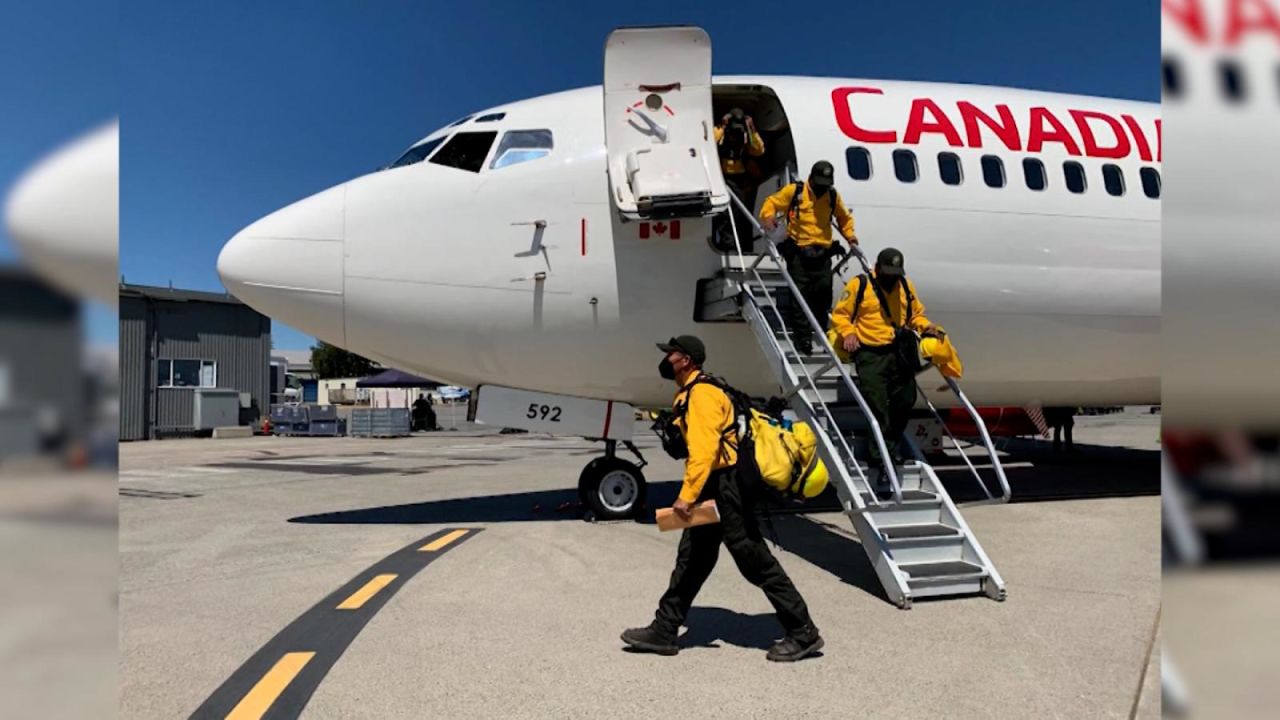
(324,630)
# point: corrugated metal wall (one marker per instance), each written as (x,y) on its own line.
(236,337)
(135,362)
(41,356)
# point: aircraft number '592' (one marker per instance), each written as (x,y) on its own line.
(537,411)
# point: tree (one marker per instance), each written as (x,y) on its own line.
(330,361)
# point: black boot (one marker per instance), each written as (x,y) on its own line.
(650,639)
(796,646)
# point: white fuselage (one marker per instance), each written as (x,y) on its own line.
(1050,296)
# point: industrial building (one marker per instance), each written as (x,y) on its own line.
(44,392)
(190,360)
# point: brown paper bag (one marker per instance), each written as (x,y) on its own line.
(703,513)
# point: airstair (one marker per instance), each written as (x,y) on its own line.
(911,531)
(661,157)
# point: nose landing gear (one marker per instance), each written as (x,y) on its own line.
(612,488)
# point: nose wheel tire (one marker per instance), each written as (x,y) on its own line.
(612,489)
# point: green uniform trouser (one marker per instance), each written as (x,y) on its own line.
(813,278)
(886,384)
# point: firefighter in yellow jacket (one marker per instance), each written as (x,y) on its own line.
(706,419)
(869,332)
(809,208)
(737,142)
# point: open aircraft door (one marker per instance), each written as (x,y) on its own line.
(658,124)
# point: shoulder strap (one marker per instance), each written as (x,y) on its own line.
(884,305)
(795,198)
(857,300)
(911,300)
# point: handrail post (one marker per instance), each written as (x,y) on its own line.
(986,438)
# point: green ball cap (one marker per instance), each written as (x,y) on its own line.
(687,344)
(889,261)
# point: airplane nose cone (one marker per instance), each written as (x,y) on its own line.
(63,216)
(289,265)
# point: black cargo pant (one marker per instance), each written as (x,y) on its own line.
(744,187)
(738,529)
(813,278)
(888,387)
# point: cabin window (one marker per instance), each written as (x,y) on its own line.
(949,168)
(519,146)
(859,161)
(1233,88)
(993,171)
(1171,75)
(465,151)
(904,166)
(1113,179)
(1034,171)
(1150,182)
(417,153)
(1073,173)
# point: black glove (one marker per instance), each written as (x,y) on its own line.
(838,250)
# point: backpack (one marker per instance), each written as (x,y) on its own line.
(780,454)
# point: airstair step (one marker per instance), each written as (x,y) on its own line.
(921,531)
(909,497)
(922,543)
(950,571)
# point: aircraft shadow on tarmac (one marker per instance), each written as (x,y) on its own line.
(541,505)
(1089,472)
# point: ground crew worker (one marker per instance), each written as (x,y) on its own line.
(808,250)
(737,141)
(870,333)
(706,421)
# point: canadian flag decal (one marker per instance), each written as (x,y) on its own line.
(671,230)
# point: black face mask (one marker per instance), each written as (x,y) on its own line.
(888,282)
(667,370)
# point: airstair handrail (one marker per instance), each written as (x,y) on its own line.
(885,457)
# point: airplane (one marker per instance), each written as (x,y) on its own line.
(545,245)
(63,215)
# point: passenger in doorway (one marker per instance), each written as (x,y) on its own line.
(1062,420)
(809,209)
(424,416)
(738,142)
(876,321)
(705,418)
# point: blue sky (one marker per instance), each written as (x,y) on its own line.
(58,79)
(233,109)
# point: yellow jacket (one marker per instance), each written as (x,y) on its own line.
(869,323)
(735,166)
(709,414)
(812,223)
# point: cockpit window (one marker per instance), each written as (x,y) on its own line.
(491,117)
(417,153)
(465,151)
(519,146)
(460,120)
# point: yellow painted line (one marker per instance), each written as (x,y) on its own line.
(256,703)
(440,542)
(371,588)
